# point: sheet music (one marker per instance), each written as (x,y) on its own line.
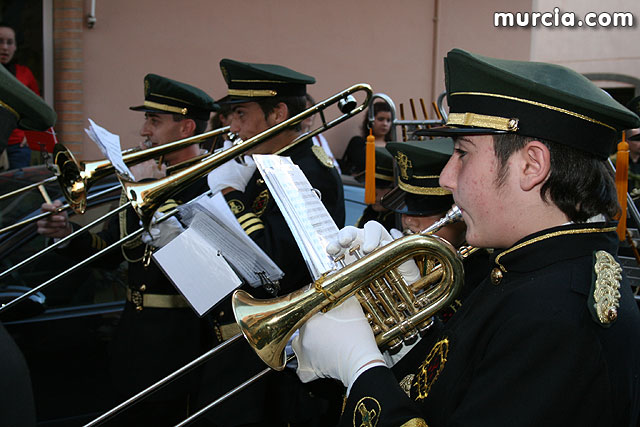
(210,216)
(197,269)
(306,216)
(109,144)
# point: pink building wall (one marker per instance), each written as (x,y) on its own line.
(389,45)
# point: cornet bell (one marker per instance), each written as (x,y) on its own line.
(269,324)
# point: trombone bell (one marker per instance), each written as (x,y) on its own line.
(71,182)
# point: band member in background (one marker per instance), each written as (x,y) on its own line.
(23,109)
(545,338)
(158,331)
(262,96)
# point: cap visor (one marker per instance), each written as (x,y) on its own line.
(454,131)
(230,100)
(394,201)
(147,109)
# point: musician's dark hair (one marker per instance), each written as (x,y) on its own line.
(295,105)
(377,108)
(579,183)
(5,24)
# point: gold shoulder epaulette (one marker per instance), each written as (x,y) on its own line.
(604,298)
(322,156)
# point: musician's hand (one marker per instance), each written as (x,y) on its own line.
(369,238)
(338,344)
(159,234)
(57,225)
(148,169)
(231,175)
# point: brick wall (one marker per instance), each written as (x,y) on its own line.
(68,68)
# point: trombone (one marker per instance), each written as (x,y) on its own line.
(145,198)
(75,178)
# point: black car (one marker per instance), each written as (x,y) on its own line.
(63,330)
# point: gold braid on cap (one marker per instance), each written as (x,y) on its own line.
(537,104)
(6,107)
(164,107)
(252,93)
(482,121)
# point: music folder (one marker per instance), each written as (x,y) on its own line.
(214,255)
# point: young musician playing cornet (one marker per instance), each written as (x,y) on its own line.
(550,336)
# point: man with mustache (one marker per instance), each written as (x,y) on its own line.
(158,331)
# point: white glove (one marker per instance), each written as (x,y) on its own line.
(231,174)
(338,344)
(160,234)
(371,237)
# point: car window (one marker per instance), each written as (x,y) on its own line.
(88,285)
(353,200)
(16,208)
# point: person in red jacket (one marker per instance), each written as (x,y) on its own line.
(17,149)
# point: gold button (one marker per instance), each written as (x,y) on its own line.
(221,314)
(260,181)
(143,288)
(612,315)
(139,307)
(496,276)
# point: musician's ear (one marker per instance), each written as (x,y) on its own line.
(535,164)
(280,112)
(187,127)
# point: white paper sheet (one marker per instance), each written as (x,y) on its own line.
(197,269)
(109,144)
(306,216)
(211,217)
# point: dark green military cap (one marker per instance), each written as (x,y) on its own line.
(419,166)
(384,169)
(30,111)
(534,99)
(251,82)
(167,96)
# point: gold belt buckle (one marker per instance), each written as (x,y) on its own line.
(136,299)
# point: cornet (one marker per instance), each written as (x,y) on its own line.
(396,311)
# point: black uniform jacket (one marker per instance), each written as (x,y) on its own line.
(476,268)
(525,349)
(16,406)
(152,342)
